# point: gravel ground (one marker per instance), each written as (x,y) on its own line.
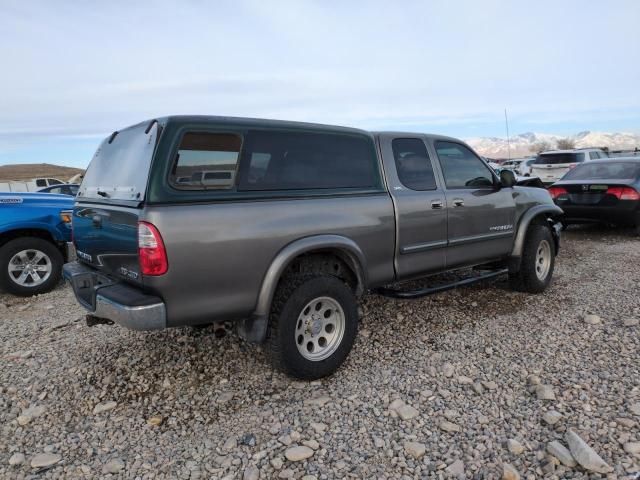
(452,385)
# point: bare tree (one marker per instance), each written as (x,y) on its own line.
(566,144)
(540,146)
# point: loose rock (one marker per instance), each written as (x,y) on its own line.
(632,447)
(296,454)
(449,426)
(415,449)
(509,472)
(515,446)
(552,417)
(456,468)
(113,466)
(104,407)
(45,460)
(562,453)
(251,473)
(16,459)
(545,392)
(585,455)
(592,319)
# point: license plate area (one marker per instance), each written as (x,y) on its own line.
(85,285)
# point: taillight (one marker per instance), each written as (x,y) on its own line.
(623,193)
(151,251)
(555,192)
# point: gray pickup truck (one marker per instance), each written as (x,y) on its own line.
(281,226)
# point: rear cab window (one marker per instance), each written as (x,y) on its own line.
(413,164)
(120,167)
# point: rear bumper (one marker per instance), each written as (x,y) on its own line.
(115,301)
(594,214)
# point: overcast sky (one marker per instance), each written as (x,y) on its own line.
(72,72)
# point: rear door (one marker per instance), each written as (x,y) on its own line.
(105,219)
(481,215)
(419,202)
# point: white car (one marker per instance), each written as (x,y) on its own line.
(512,164)
(524,168)
(551,166)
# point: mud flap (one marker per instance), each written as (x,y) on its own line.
(253,329)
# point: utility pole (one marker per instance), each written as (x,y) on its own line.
(506,121)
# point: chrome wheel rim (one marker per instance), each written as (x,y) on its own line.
(29,268)
(319,329)
(543,260)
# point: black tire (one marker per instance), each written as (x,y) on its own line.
(294,293)
(11,248)
(528,279)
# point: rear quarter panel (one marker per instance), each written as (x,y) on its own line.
(219,252)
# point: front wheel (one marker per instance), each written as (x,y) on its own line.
(538,261)
(29,266)
(313,324)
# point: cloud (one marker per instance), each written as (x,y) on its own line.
(75,69)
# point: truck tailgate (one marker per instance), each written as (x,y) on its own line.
(106,238)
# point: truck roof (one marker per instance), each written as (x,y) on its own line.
(262,122)
(255,122)
(409,134)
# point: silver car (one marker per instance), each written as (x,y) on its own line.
(553,165)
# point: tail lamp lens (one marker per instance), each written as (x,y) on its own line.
(624,193)
(151,251)
(555,192)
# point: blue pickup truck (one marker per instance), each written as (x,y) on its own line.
(34,231)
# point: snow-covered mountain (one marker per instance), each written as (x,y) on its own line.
(521,145)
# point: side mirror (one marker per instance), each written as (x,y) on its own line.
(507,178)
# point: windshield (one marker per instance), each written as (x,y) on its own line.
(558,158)
(605,171)
(119,169)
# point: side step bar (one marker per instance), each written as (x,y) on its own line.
(423,292)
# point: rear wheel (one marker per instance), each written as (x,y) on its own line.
(313,324)
(29,266)
(538,261)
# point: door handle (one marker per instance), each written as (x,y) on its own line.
(436,204)
(458,202)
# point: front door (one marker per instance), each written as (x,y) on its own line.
(419,203)
(481,214)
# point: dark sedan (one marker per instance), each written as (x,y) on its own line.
(603,191)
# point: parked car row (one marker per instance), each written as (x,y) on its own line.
(602,191)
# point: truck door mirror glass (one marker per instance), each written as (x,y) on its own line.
(507,178)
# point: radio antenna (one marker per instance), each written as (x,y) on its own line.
(506,122)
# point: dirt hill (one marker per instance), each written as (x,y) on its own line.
(27,171)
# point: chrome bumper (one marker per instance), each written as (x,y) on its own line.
(115,301)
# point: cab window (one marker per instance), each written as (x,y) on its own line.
(461,168)
(413,164)
(206,161)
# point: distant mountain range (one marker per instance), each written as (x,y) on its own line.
(27,171)
(521,145)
